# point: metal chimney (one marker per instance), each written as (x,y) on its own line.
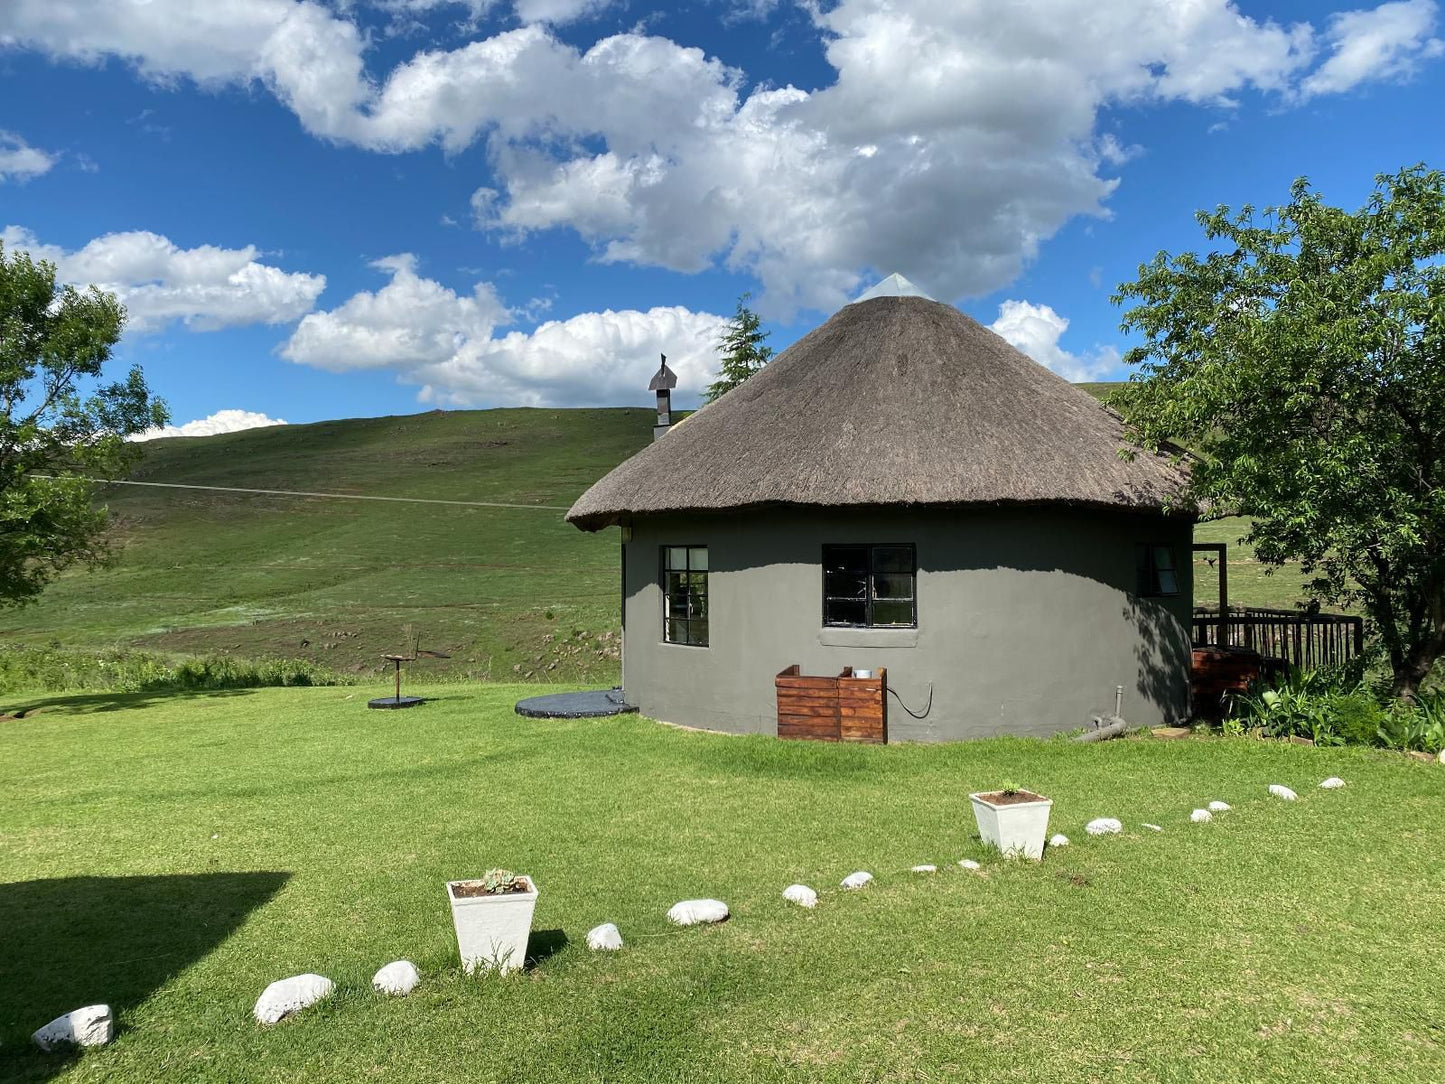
(663,383)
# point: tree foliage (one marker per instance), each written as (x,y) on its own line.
(1304,359)
(61,427)
(742,349)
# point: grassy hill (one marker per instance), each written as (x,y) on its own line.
(509,592)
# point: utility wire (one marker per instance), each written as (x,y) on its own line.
(334,496)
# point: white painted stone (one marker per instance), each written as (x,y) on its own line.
(398,977)
(802,895)
(1219,807)
(693,912)
(1334,782)
(1152,827)
(285,997)
(1199,816)
(1104,826)
(1441,757)
(969,863)
(857,880)
(1059,840)
(604,938)
(1282,792)
(91,1026)
(927,867)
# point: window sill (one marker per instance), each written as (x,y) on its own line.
(843,637)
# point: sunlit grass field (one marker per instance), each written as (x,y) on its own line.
(174,854)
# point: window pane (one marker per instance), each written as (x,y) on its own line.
(697,582)
(893,613)
(697,633)
(844,611)
(1164,558)
(846,584)
(697,559)
(893,559)
(1168,585)
(892,585)
(676,558)
(845,558)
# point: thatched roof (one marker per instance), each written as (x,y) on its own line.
(893,401)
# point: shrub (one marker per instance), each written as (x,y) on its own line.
(24,668)
(1335,707)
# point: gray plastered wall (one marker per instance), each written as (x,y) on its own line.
(1027,619)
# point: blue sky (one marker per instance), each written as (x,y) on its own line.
(318,210)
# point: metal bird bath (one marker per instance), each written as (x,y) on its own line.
(397,700)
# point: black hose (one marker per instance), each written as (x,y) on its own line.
(910,711)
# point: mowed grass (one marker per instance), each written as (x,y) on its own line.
(173,855)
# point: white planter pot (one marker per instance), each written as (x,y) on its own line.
(492,930)
(1017,829)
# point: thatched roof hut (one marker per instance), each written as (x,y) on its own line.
(897,400)
(900,492)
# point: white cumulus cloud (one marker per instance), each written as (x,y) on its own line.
(19,161)
(450,345)
(1036,330)
(1386,42)
(205,288)
(223,421)
(954,137)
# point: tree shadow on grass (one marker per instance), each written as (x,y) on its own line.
(74,941)
(88,703)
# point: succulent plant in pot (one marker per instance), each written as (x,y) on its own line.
(1014,820)
(493,919)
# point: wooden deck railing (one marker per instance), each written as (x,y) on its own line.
(1302,639)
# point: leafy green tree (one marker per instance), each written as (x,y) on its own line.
(60,422)
(742,349)
(1303,359)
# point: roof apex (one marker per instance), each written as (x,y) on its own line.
(895,285)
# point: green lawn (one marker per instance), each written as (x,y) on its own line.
(175,854)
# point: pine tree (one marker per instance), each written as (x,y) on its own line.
(742,349)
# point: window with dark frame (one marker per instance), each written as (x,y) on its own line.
(870,586)
(1157,575)
(684,595)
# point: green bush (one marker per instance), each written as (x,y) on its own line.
(1335,707)
(55,669)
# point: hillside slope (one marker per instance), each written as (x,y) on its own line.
(507,591)
(510,593)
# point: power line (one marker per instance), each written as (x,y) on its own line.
(334,496)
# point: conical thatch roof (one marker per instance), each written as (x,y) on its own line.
(893,401)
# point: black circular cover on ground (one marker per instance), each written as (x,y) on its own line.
(594,703)
(393,702)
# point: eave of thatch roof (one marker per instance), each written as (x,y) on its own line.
(893,401)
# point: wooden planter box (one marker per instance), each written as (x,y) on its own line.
(842,708)
(1217,671)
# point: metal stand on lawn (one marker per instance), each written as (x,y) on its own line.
(397,700)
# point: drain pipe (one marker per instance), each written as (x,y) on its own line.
(1108,726)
